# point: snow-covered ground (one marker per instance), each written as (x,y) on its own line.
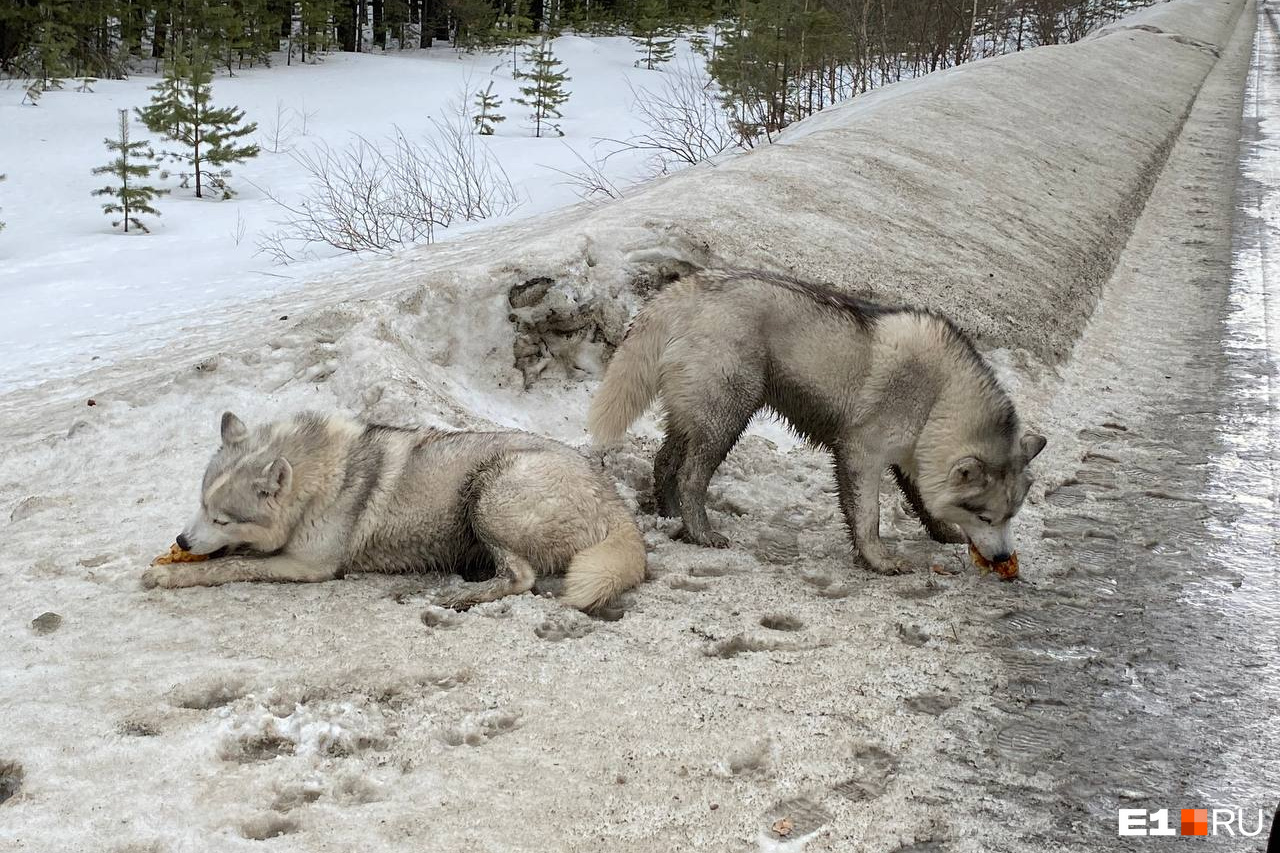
(72,289)
(774,684)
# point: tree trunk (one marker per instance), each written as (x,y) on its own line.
(426,22)
(436,12)
(379,31)
(158,37)
(346,19)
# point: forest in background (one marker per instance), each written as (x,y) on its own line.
(773,61)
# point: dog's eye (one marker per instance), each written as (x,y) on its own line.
(220,522)
(985,519)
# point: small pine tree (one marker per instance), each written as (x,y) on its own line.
(161,115)
(473,22)
(545,93)
(54,40)
(487,115)
(130,167)
(514,29)
(182,110)
(652,35)
(32,94)
(700,43)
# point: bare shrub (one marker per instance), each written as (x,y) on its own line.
(277,135)
(685,121)
(370,197)
(589,182)
(472,184)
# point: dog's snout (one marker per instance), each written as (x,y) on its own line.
(1002,557)
(183,542)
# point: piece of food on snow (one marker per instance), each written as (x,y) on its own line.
(177,555)
(1007,570)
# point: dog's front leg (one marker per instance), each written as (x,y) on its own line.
(939,531)
(278,569)
(858,479)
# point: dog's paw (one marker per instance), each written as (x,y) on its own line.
(460,597)
(884,564)
(710,540)
(157,576)
(170,577)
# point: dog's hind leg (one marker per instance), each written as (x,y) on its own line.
(515,576)
(947,534)
(703,456)
(509,500)
(666,472)
(695,475)
(710,403)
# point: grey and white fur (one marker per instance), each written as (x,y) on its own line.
(316,496)
(879,387)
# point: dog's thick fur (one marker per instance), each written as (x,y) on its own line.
(323,495)
(880,387)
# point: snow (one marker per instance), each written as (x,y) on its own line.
(71,288)
(775,679)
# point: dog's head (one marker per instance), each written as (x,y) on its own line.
(246,489)
(981,493)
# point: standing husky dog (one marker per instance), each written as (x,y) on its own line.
(879,387)
(320,496)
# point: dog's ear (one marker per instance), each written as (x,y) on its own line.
(969,471)
(1032,444)
(233,429)
(276,478)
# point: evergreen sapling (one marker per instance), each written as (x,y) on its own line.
(545,92)
(514,28)
(487,115)
(652,35)
(182,110)
(54,40)
(161,115)
(131,168)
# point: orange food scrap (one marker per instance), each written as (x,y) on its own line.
(177,555)
(1007,570)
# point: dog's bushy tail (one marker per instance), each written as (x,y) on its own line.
(631,381)
(598,574)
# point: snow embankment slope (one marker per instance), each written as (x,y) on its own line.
(775,680)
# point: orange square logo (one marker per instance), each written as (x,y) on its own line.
(1195,821)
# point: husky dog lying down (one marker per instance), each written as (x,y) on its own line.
(316,496)
(879,387)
